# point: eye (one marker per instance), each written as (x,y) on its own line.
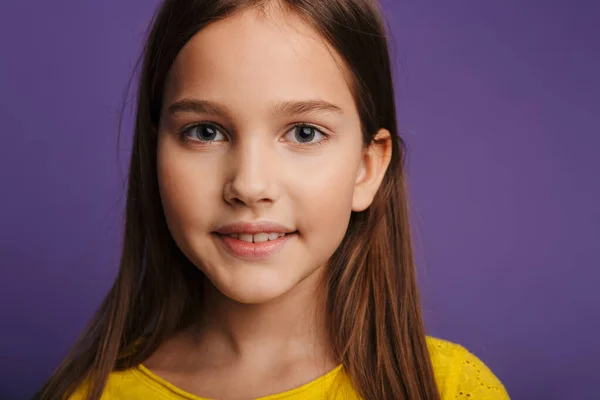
(202,133)
(210,132)
(304,133)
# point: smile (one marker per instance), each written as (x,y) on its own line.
(254,247)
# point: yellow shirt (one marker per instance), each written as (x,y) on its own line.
(458,373)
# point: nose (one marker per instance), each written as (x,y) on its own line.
(252,175)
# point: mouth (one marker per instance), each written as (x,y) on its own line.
(257,246)
(257,237)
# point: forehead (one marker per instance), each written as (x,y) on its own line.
(252,59)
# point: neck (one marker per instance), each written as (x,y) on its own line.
(289,329)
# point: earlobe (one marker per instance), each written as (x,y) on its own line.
(376,159)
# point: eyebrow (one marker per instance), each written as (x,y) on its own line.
(287,108)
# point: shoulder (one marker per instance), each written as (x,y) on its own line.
(460,374)
(119,383)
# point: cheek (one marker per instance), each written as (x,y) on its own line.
(184,190)
(325,206)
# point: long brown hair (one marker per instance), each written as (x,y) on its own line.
(376,328)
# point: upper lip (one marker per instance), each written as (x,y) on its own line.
(253,227)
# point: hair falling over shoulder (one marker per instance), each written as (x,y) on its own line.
(376,327)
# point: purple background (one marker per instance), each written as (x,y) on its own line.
(499,103)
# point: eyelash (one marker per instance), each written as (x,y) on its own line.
(185,139)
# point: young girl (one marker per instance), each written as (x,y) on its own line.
(266,249)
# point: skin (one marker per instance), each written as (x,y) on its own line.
(262,330)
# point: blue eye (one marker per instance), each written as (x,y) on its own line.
(202,133)
(306,133)
(209,132)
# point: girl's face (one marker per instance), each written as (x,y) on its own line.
(259,125)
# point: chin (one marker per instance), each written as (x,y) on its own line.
(256,287)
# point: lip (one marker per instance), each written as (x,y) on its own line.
(253,251)
(253,228)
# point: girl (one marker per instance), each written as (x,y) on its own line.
(266,249)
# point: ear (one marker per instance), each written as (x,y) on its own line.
(374,164)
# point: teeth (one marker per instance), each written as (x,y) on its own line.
(258,238)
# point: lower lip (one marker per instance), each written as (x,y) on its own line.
(253,251)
